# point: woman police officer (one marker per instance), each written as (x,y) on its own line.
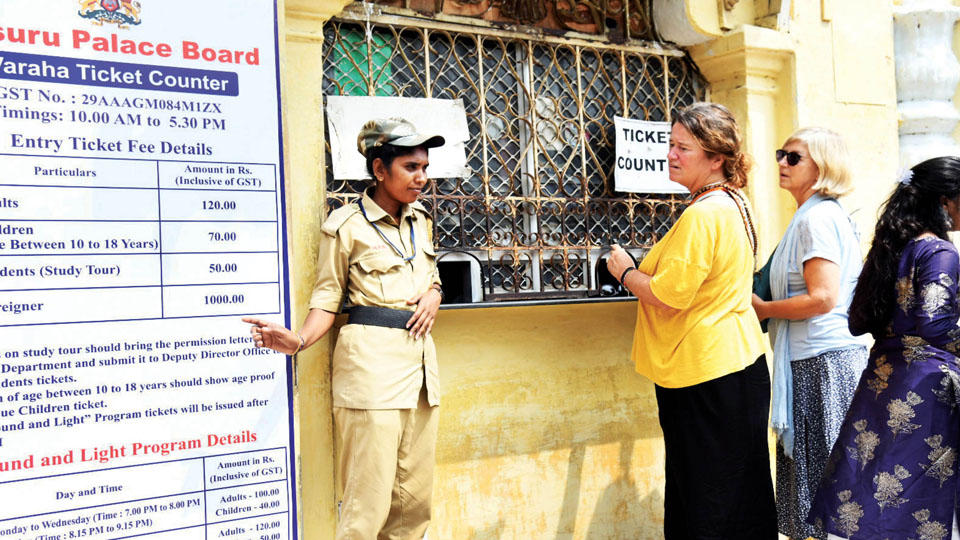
(377,255)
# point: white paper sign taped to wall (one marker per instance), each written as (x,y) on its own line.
(447,117)
(641,165)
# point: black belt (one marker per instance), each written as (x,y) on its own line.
(379,316)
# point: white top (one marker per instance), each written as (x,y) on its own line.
(824,231)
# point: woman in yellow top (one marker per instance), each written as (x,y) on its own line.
(699,340)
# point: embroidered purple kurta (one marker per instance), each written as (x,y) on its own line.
(892,472)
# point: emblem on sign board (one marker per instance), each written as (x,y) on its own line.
(122,13)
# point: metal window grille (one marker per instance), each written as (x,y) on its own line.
(538,210)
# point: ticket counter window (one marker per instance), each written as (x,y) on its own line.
(538,210)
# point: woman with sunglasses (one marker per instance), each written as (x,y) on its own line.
(817,361)
(698,340)
(377,255)
(892,473)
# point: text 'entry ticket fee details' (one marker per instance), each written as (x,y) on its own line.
(141,217)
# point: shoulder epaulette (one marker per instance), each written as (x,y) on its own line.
(338,217)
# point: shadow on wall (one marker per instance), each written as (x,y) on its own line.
(546,429)
(620,513)
(528,380)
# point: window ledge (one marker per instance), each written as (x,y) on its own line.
(546,302)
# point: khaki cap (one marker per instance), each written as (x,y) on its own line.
(395,131)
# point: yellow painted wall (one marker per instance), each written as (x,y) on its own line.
(846,82)
(301,47)
(841,77)
(546,431)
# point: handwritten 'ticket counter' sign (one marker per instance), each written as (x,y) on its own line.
(641,165)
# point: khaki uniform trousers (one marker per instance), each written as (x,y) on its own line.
(386,466)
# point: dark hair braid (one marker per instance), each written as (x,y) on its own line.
(914,207)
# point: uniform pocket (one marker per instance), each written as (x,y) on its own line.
(386,273)
(379,264)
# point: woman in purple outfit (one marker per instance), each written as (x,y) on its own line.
(892,473)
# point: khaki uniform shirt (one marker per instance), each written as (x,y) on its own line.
(376,367)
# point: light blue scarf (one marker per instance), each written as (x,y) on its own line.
(781,416)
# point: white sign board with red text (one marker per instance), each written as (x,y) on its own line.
(141,216)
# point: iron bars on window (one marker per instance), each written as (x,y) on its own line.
(538,208)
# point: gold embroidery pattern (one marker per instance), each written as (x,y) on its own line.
(848,514)
(889,487)
(905,292)
(901,412)
(950,383)
(942,459)
(883,372)
(914,349)
(954,344)
(866,442)
(929,530)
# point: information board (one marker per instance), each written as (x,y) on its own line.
(141,215)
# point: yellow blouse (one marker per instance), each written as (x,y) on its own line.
(703,267)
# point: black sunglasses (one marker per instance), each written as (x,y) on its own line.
(792,157)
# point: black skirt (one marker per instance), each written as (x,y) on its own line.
(718,459)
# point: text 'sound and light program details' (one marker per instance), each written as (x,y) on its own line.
(141,216)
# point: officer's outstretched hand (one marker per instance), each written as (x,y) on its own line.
(428,303)
(272,336)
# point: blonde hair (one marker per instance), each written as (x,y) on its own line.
(716,131)
(829,153)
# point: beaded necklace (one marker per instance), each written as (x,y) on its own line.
(741,203)
(704,189)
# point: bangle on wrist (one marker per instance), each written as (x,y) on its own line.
(300,346)
(623,276)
